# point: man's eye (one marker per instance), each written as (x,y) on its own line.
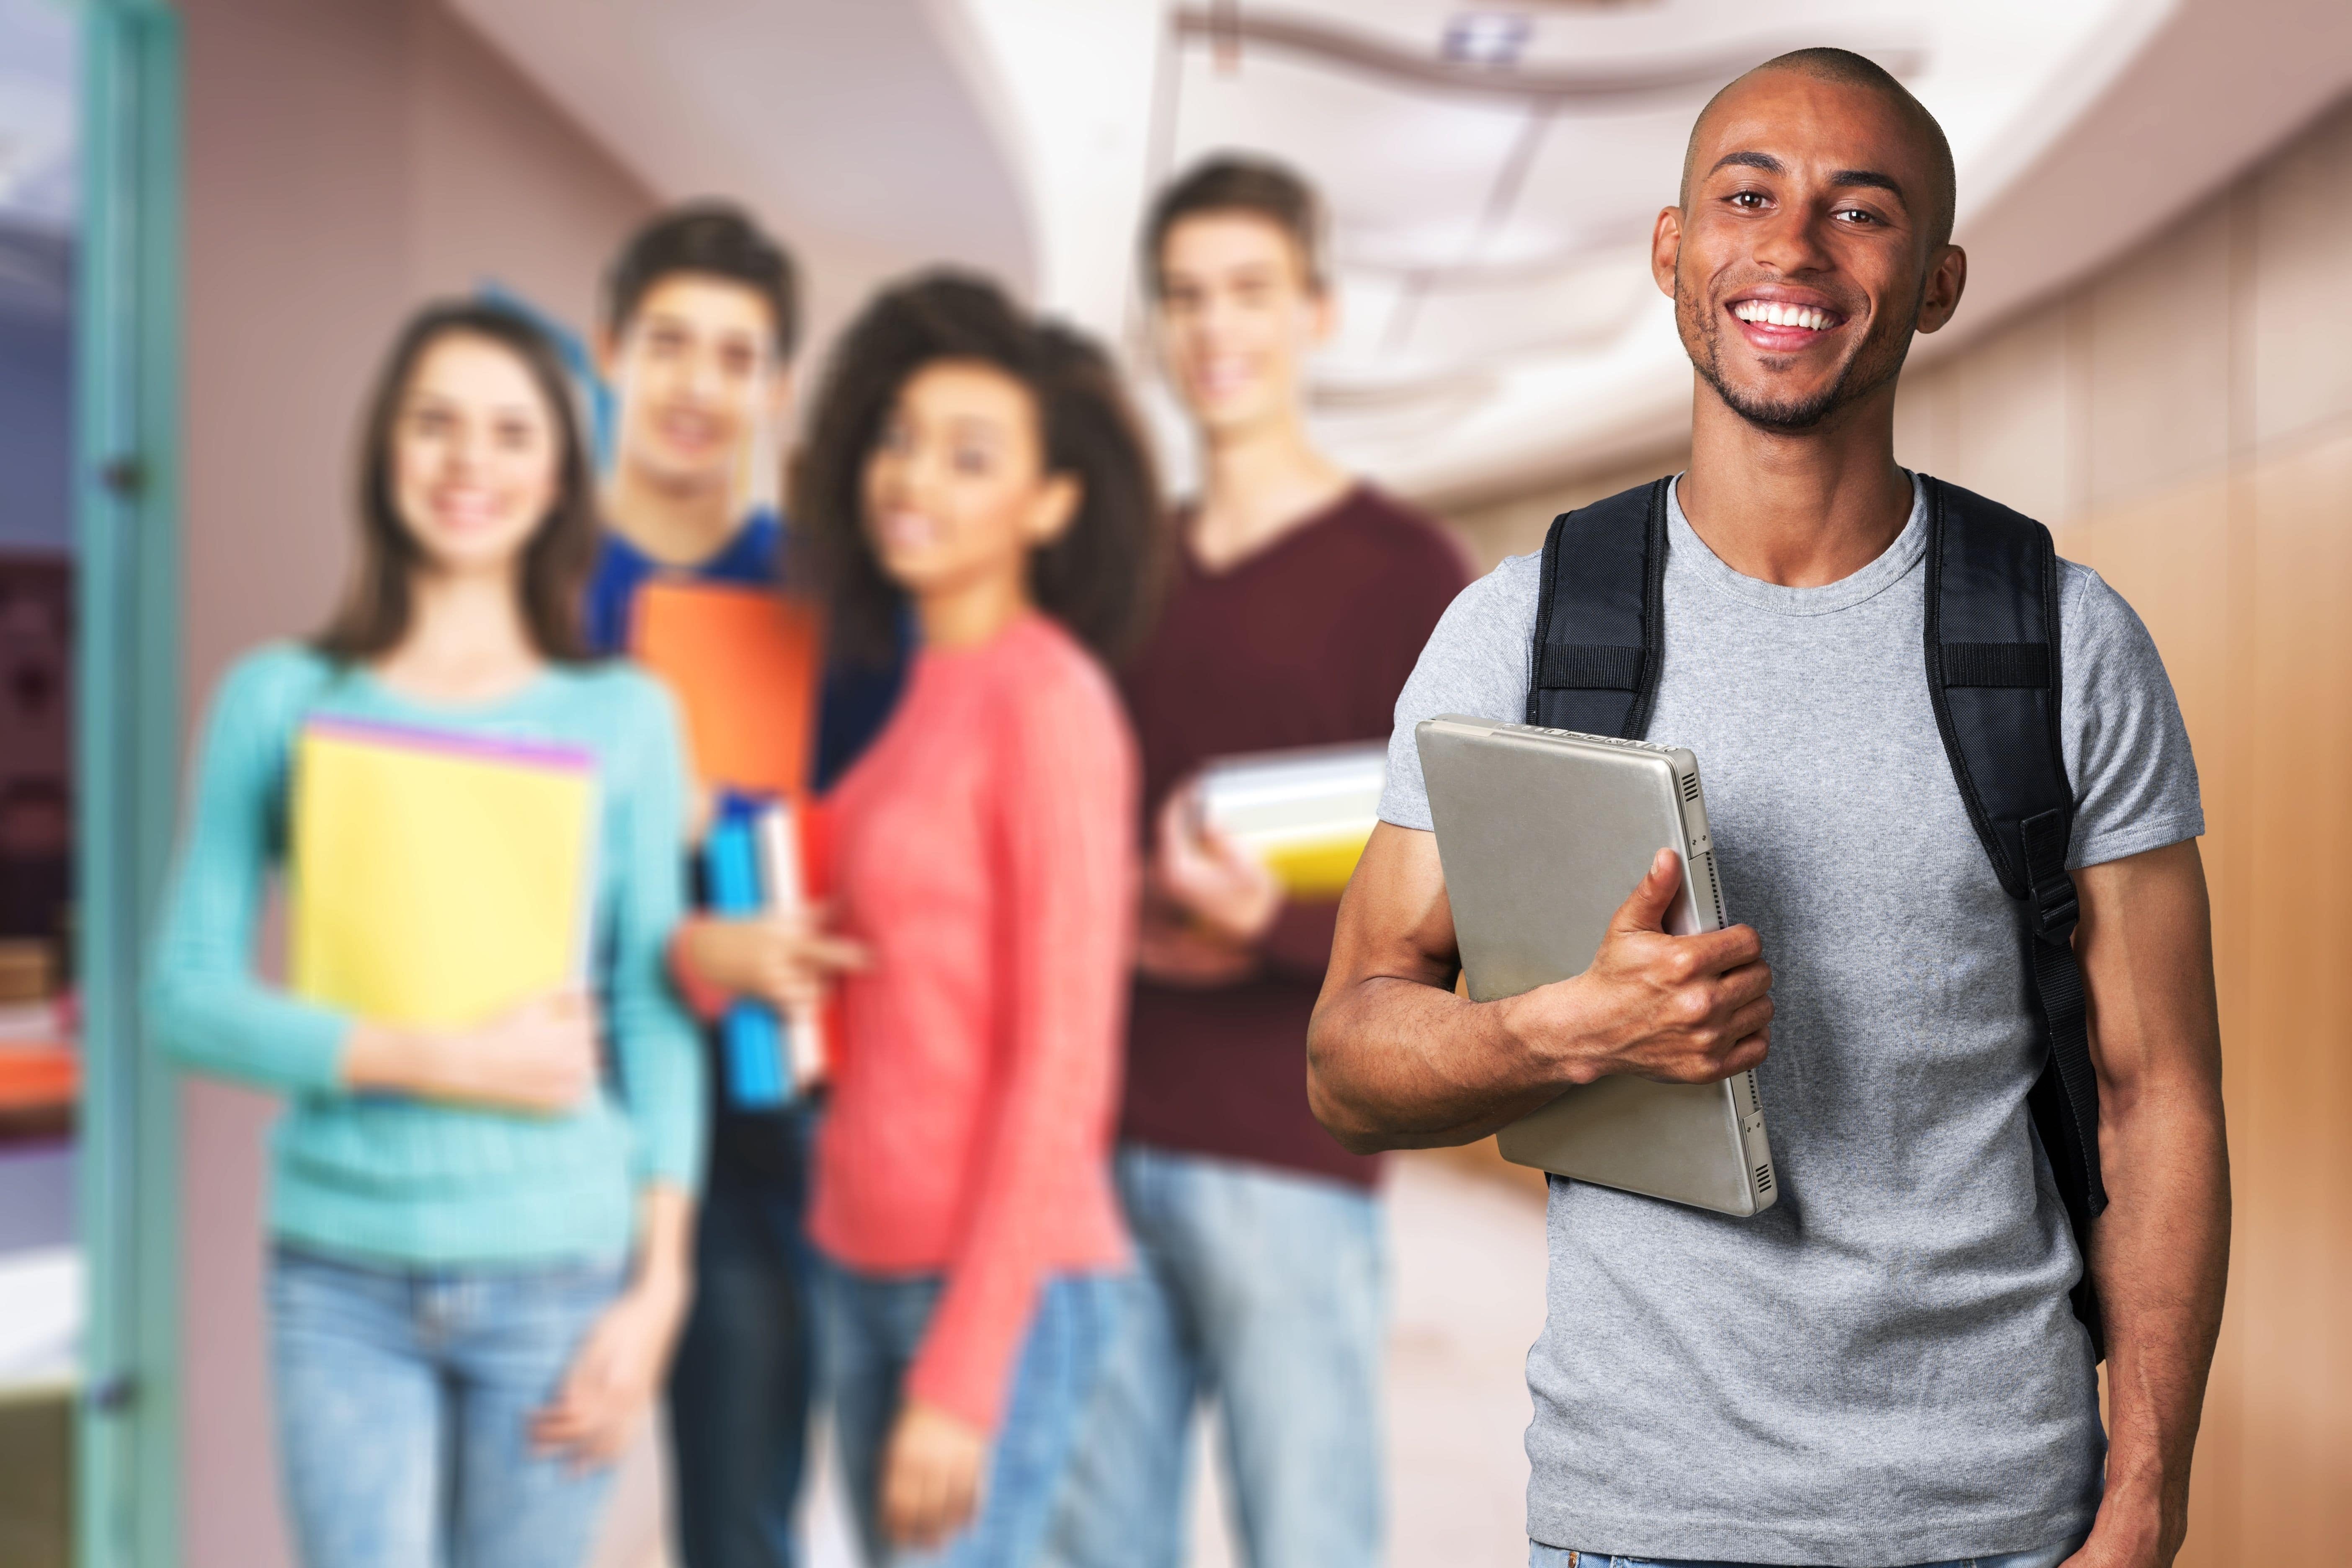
(1856,215)
(1748,199)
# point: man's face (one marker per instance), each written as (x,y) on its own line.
(1801,264)
(1237,317)
(699,377)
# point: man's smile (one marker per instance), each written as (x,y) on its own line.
(1784,321)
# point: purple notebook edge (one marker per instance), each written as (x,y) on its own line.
(524,753)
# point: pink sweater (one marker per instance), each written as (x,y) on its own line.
(984,848)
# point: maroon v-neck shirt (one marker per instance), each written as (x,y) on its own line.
(1306,643)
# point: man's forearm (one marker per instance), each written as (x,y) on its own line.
(1396,1064)
(2158,1258)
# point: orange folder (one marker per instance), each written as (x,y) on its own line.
(742,662)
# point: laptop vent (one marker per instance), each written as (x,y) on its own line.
(1702,865)
(1764,1177)
(1690,786)
(1748,1082)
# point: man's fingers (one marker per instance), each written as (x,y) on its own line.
(837,952)
(1723,951)
(1644,909)
(1749,1019)
(1743,984)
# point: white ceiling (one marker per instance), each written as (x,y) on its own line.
(1489,221)
(37,64)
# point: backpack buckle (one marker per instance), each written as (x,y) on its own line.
(2055,908)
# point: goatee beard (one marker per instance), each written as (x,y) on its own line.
(1781,415)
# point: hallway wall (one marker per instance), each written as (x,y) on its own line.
(2183,423)
(345,161)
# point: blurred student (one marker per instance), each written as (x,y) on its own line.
(702,314)
(1301,597)
(987,471)
(479,1255)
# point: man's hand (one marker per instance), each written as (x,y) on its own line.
(1396,1060)
(930,1476)
(1173,951)
(1681,1009)
(1204,873)
(785,960)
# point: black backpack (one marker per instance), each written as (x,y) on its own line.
(1992,672)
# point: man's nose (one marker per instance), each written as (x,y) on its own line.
(1790,241)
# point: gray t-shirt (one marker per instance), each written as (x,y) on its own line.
(1883,1367)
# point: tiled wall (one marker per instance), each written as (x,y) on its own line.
(2183,422)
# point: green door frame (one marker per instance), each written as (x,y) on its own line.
(127,763)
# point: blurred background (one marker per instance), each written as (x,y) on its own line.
(213,215)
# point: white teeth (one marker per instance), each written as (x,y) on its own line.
(1774,313)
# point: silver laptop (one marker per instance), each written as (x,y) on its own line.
(1542,834)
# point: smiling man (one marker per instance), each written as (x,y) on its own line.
(701,318)
(1296,601)
(1897,1363)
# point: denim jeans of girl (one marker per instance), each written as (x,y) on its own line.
(404,1403)
(873,1326)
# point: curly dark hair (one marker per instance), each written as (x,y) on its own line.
(1099,578)
(560,556)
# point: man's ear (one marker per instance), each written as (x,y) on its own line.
(779,399)
(1056,509)
(1947,275)
(1665,248)
(1323,314)
(606,350)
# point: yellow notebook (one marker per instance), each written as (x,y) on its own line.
(438,880)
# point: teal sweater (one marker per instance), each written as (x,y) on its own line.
(406,1182)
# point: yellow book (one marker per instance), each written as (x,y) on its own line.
(1306,814)
(438,880)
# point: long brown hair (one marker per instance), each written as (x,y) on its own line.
(377,606)
(1098,579)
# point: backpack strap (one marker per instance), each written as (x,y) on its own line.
(1993,675)
(1600,619)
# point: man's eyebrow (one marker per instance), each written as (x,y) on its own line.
(1873,179)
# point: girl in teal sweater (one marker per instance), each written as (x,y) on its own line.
(479,1260)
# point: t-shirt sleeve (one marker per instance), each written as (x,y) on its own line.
(2126,748)
(1476,663)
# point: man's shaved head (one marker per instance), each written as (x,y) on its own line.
(1847,69)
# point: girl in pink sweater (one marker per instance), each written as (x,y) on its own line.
(984,470)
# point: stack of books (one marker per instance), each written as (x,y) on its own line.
(1306,814)
(743,663)
(752,861)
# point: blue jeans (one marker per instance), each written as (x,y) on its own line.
(1267,1291)
(741,1388)
(1542,1556)
(403,1398)
(873,1326)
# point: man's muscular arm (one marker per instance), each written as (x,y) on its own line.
(2159,1253)
(1396,1060)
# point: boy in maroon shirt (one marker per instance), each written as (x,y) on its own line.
(1299,599)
